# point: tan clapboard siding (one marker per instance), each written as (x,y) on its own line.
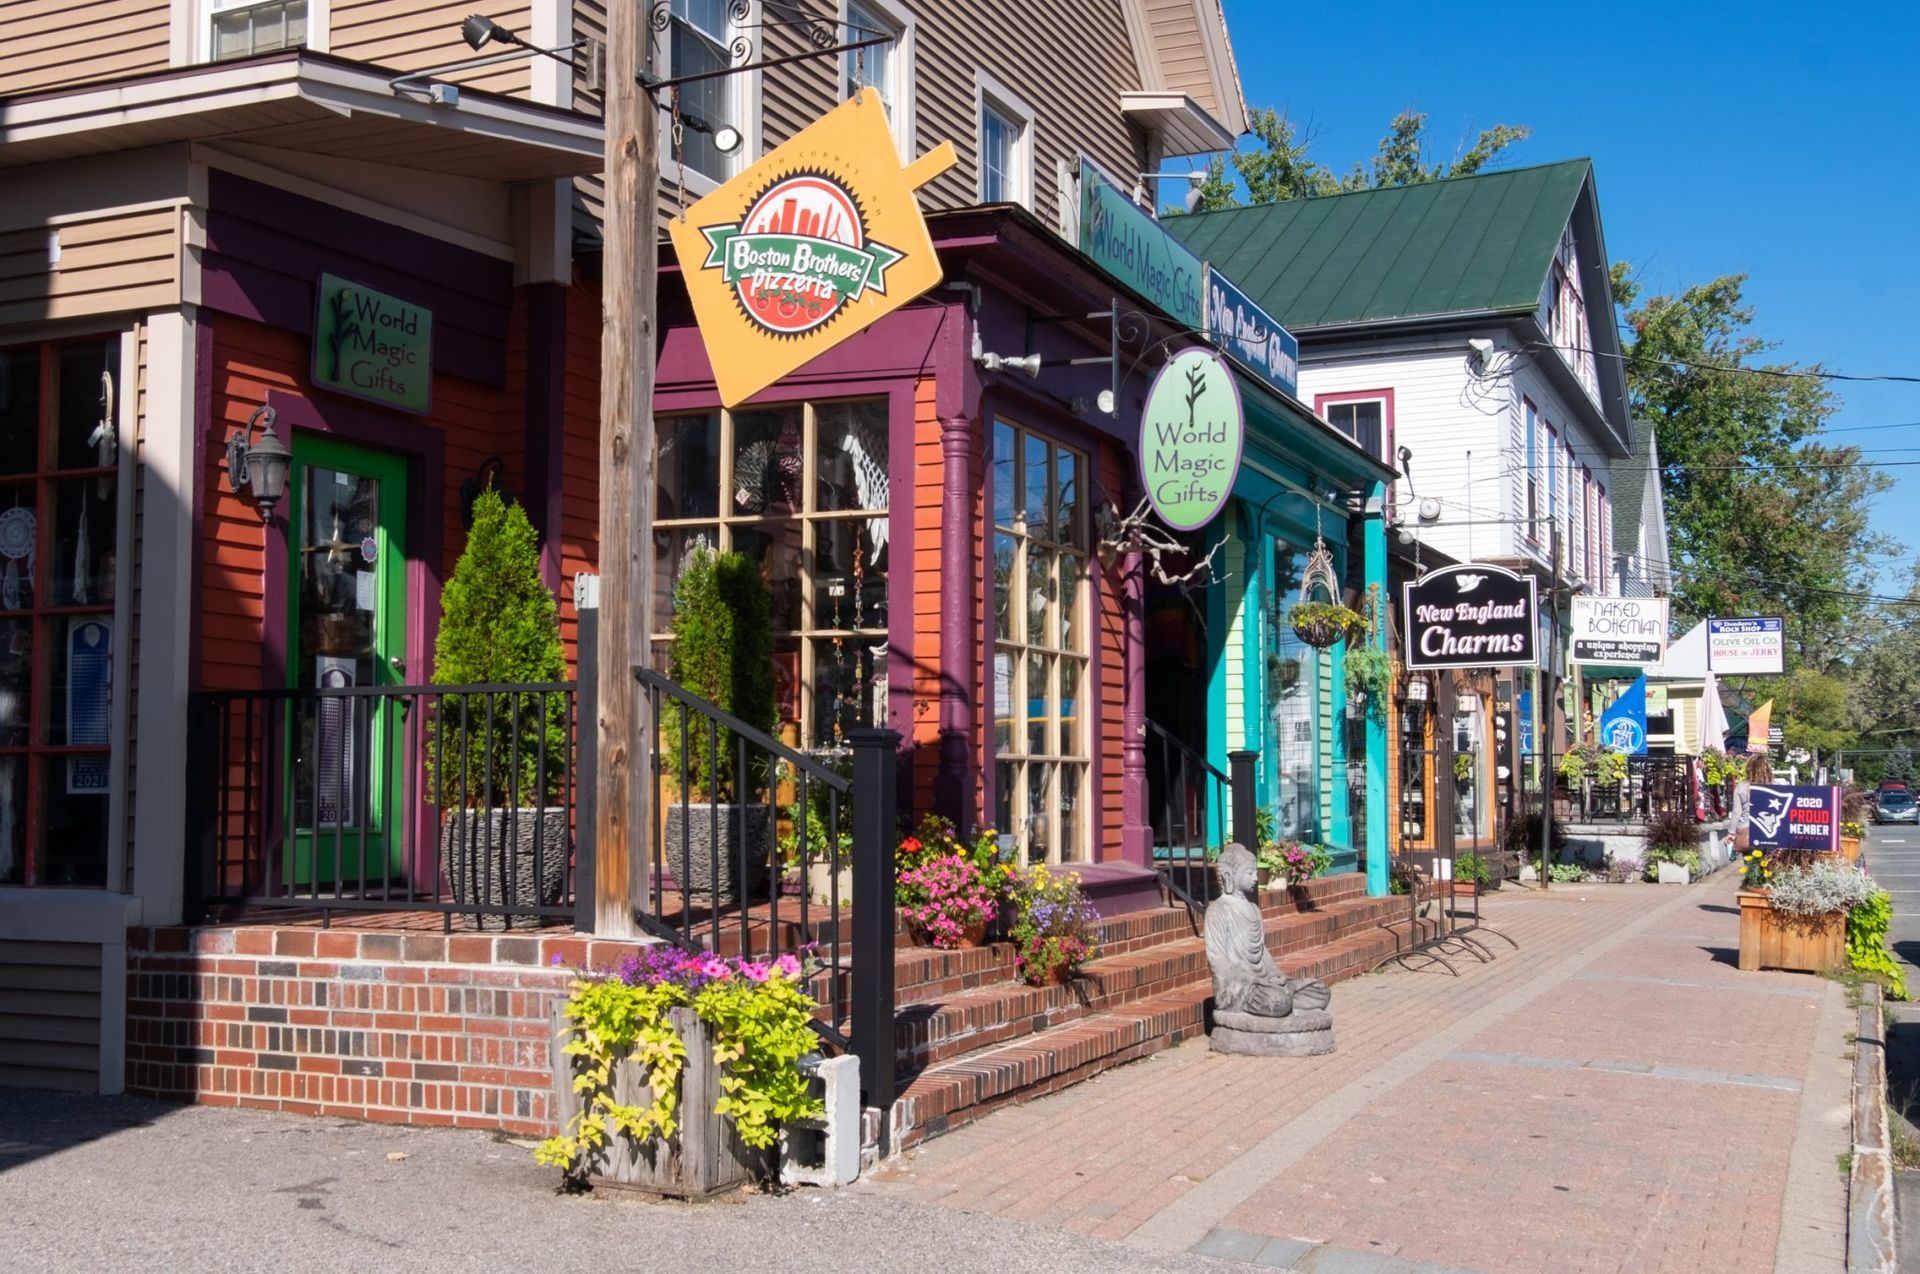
(50,1015)
(796,95)
(1072,80)
(107,264)
(589,192)
(411,35)
(43,44)
(135,378)
(1181,51)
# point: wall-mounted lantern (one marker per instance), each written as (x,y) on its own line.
(1419,689)
(258,466)
(485,478)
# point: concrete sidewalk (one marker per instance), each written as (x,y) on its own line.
(1615,1095)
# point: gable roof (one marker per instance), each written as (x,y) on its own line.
(1467,246)
(1630,489)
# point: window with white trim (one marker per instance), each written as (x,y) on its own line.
(1042,638)
(1553,482)
(1567,313)
(1533,428)
(1362,419)
(698,37)
(803,490)
(885,68)
(242,28)
(1606,536)
(1006,146)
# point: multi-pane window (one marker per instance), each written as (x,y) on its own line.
(698,38)
(1606,538)
(884,68)
(242,28)
(1533,428)
(1363,420)
(1006,146)
(1041,638)
(59,507)
(802,489)
(1567,312)
(1553,482)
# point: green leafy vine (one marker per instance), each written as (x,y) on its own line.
(1867,927)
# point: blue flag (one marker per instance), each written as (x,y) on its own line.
(1623,726)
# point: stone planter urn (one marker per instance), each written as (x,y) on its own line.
(506,857)
(1673,874)
(821,878)
(1801,944)
(705,1155)
(701,849)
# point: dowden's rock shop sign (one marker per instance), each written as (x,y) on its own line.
(1472,616)
(1191,432)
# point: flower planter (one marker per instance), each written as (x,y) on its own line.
(1265,876)
(1803,944)
(1850,848)
(1674,874)
(702,849)
(705,1155)
(1462,888)
(821,878)
(974,935)
(506,858)
(1321,634)
(1058,975)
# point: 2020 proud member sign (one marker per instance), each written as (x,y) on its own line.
(807,247)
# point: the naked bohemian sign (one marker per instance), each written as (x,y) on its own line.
(1472,616)
(807,247)
(1191,433)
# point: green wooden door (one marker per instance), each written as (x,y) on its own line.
(346,627)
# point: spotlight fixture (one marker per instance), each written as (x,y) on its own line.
(478,29)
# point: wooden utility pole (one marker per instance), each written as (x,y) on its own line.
(623,811)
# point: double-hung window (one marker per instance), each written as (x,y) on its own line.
(1042,637)
(242,28)
(1533,470)
(887,68)
(1006,146)
(802,490)
(1553,482)
(1606,537)
(698,38)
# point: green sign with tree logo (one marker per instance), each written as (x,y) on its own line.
(1191,432)
(372,345)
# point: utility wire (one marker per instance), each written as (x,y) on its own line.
(1799,373)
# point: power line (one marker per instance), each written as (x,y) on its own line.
(1799,373)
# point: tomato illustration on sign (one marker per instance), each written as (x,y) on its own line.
(799,255)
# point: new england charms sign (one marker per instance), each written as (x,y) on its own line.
(807,247)
(1191,431)
(1471,616)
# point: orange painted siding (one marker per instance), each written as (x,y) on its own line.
(1110,632)
(922,562)
(580,455)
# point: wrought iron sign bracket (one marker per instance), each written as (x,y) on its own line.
(822,35)
(1129,327)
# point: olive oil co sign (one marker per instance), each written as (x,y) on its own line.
(807,247)
(1191,433)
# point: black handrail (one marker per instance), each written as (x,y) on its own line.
(727,721)
(1185,774)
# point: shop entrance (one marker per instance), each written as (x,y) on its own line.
(1182,805)
(347,626)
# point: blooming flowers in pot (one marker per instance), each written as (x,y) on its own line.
(1054,930)
(948,901)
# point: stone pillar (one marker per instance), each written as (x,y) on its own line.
(1136,829)
(956,787)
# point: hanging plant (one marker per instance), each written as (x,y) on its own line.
(1370,673)
(1463,765)
(1325,624)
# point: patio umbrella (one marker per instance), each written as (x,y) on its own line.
(1711,721)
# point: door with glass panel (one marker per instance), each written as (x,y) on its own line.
(347,627)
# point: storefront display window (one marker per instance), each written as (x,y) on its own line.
(59,514)
(802,489)
(1042,638)
(1297,705)
(1472,807)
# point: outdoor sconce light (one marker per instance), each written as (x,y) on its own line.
(726,138)
(1418,691)
(259,466)
(485,478)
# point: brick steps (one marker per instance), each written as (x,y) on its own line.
(951,1094)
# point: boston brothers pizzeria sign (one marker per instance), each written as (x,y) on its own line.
(1471,616)
(1191,431)
(806,247)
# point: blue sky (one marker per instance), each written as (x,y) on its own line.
(1768,139)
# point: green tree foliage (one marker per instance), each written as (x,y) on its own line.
(1884,686)
(499,625)
(1763,516)
(1281,167)
(1899,767)
(722,652)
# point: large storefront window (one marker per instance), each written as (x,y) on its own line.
(803,490)
(1298,706)
(59,505)
(1042,637)
(1472,803)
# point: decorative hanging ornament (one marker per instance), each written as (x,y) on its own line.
(16,533)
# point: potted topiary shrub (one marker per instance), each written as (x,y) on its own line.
(495,762)
(722,652)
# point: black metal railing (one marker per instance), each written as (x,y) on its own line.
(1189,803)
(457,799)
(741,819)
(1652,785)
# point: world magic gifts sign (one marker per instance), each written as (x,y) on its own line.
(372,345)
(807,247)
(1192,430)
(1472,616)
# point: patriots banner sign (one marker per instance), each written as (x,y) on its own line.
(1804,818)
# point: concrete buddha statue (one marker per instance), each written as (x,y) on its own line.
(1257,1008)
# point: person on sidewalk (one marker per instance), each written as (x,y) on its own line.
(1758,771)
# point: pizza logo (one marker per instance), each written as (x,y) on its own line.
(800,255)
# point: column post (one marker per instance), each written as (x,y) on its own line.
(956,786)
(1374,537)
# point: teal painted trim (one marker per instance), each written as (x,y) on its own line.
(1252,597)
(1259,581)
(1374,546)
(1333,775)
(1216,660)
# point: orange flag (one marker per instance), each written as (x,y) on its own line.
(1757,727)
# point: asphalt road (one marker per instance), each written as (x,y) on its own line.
(93,1183)
(1893,858)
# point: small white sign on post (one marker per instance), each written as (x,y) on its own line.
(1739,646)
(1619,632)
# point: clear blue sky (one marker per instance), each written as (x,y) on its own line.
(1768,139)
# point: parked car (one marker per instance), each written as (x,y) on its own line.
(1896,806)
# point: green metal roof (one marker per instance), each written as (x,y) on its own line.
(1630,490)
(1471,245)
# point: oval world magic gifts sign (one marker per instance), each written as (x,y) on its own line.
(1191,433)
(1472,616)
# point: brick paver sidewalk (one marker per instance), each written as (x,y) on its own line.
(1614,1095)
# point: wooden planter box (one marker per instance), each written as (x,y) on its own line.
(1769,940)
(705,1155)
(1850,848)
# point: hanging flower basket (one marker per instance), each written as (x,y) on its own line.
(1325,624)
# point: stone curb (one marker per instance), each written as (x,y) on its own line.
(1870,1221)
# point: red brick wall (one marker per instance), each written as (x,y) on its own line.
(397,1028)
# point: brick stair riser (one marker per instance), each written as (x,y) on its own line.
(945,1101)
